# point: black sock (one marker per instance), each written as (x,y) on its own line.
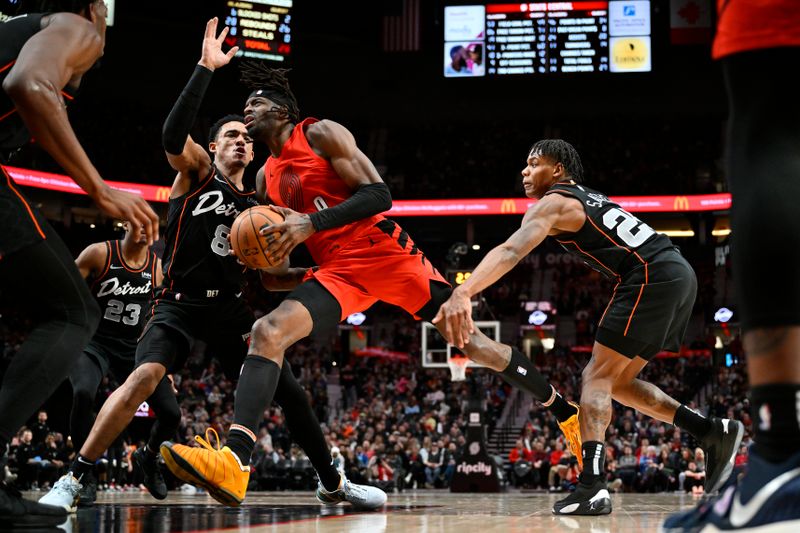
(696,424)
(254,393)
(304,427)
(594,459)
(81,466)
(521,373)
(168,417)
(560,407)
(776,420)
(148,453)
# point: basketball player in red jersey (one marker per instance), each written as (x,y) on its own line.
(758,44)
(200,297)
(331,197)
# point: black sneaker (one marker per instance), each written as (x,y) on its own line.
(16,512)
(591,499)
(153,478)
(721,446)
(88,493)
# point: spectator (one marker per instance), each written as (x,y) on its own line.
(40,429)
(434,466)
(627,469)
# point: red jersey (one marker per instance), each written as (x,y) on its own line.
(305,182)
(744,25)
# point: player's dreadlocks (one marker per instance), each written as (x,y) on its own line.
(271,83)
(562,152)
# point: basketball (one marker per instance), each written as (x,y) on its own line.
(248,245)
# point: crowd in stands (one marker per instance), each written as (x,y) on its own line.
(400,426)
(425,162)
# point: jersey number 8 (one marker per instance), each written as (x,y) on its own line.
(220,244)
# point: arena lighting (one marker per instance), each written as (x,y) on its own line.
(678,233)
(724,232)
(476,246)
(723,315)
(111,4)
(537,318)
(356,319)
(410,208)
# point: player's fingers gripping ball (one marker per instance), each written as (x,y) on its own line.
(249,246)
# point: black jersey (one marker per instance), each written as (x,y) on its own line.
(197,251)
(611,241)
(123,293)
(14,33)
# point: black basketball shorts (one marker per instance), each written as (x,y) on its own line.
(21,225)
(177,319)
(109,355)
(650,308)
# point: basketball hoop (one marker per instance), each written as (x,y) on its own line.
(458,368)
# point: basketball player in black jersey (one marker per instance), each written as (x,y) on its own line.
(121,275)
(201,293)
(42,60)
(648,312)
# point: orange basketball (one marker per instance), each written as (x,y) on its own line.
(248,244)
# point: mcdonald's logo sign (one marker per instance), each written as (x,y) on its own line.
(162,194)
(508,205)
(680,203)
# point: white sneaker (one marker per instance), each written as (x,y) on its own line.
(64,493)
(361,496)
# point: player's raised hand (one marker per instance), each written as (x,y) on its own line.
(454,319)
(284,236)
(213,57)
(126,206)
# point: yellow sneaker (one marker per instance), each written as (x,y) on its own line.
(219,471)
(571,428)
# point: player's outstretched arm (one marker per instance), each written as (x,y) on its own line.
(552,213)
(183,153)
(58,55)
(92,260)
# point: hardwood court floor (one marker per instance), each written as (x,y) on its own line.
(421,511)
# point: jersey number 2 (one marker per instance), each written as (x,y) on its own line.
(630,229)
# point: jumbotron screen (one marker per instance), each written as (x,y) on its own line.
(493,39)
(260,28)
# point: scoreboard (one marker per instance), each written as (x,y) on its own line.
(547,38)
(260,28)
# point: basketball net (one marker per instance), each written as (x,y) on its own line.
(458,368)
